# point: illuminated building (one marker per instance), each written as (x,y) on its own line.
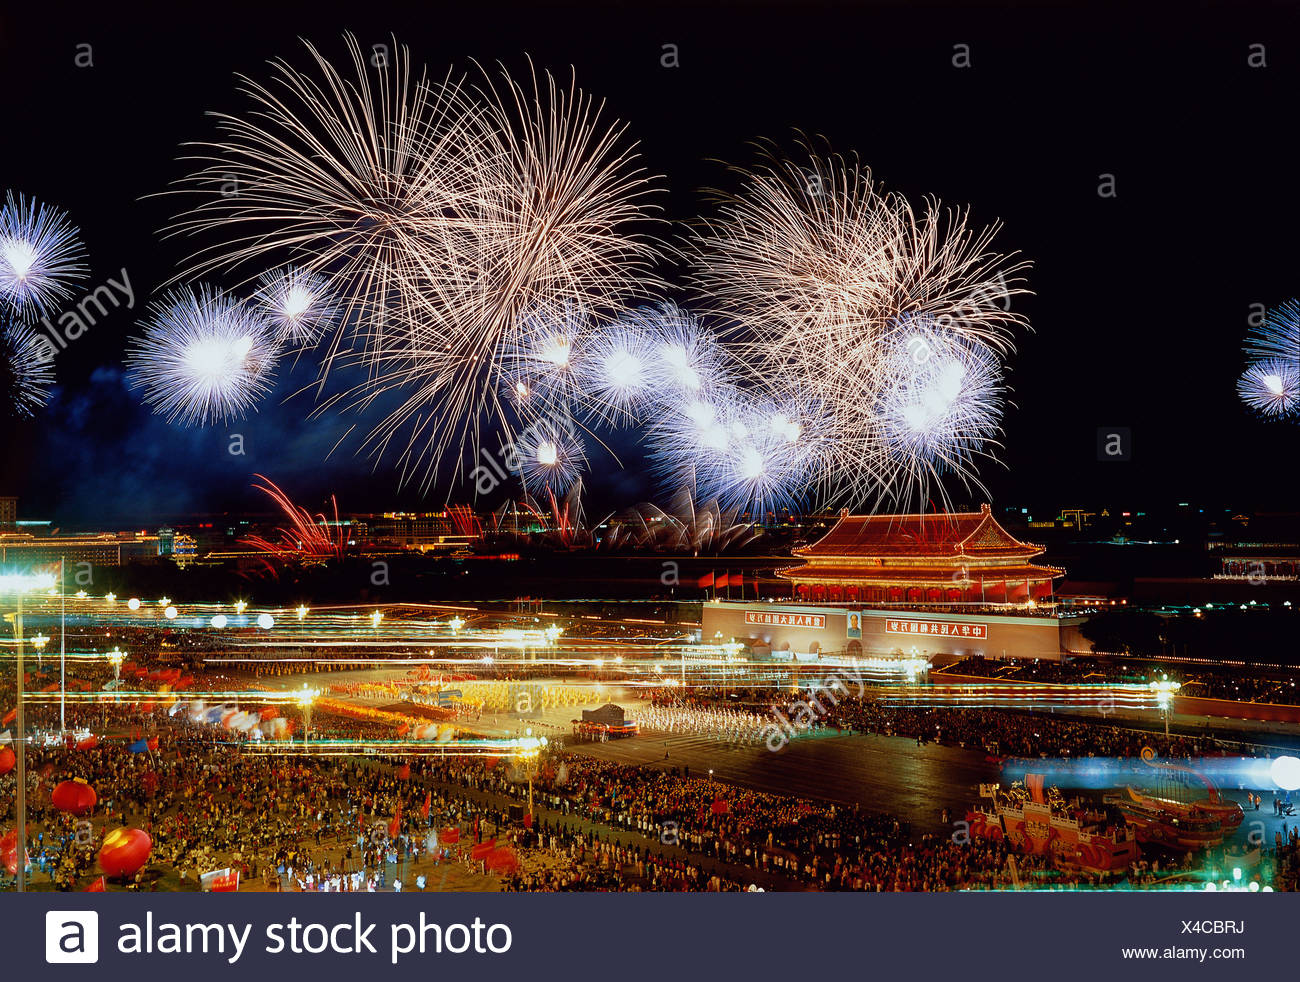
(944,560)
(938,586)
(98,548)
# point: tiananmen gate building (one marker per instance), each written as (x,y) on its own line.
(944,559)
(946,585)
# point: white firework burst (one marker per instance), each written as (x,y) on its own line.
(549,454)
(751,454)
(204,357)
(1271,387)
(686,360)
(818,269)
(300,305)
(40,255)
(616,372)
(538,365)
(942,405)
(27,358)
(445,214)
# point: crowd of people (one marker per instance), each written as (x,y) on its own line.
(1279,687)
(210,800)
(743,726)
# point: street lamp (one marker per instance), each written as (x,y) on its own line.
(531,748)
(305,698)
(1164,691)
(19,584)
(115,658)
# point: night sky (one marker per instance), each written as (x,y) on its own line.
(1141,304)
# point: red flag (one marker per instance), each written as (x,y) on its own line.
(96,886)
(705,581)
(152,743)
(481,850)
(737,579)
(1035,784)
(449,835)
(428,800)
(721,580)
(404,772)
(528,820)
(720,807)
(395,825)
(9,717)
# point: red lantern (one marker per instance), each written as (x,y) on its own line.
(9,853)
(7,760)
(74,797)
(125,851)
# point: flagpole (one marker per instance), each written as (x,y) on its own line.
(20,718)
(63,633)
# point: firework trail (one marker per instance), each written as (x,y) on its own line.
(40,254)
(820,272)
(306,537)
(204,357)
(25,358)
(446,215)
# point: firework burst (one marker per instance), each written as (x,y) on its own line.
(26,358)
(820,270)
(549,455)
(40,254)
(944,403)
(1271,387)
(538,365)
(750,454)
(300,306)
(1271,383)
(204,357)
(617,372)
(686,361)
(445,214)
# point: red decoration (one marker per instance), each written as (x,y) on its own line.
(502,860)
(74,797)
(9,853)
(125,851)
